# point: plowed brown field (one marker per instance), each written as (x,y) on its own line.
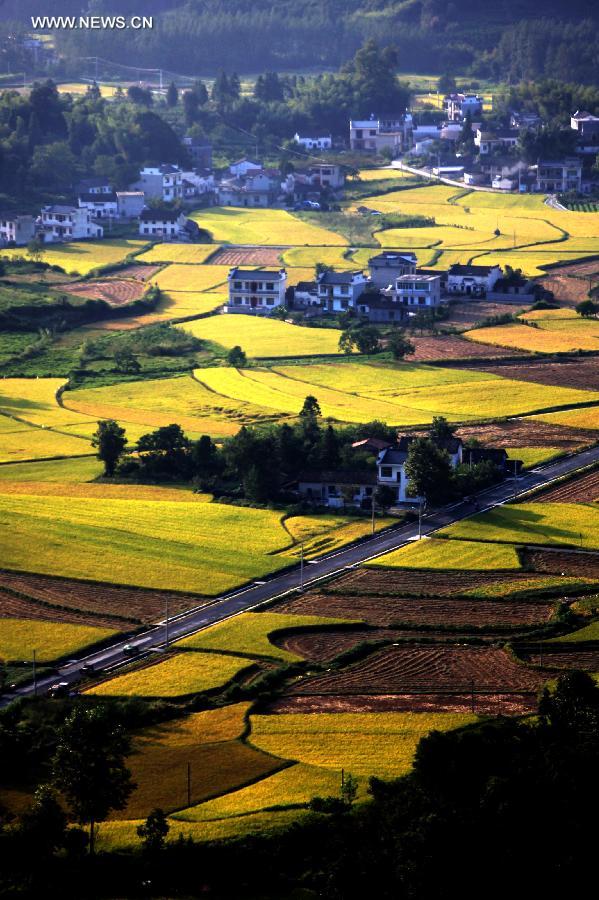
(567,562)
(418,582)
(572,659)
(469,313)
(575,373)
(13,607)
(512,704)
(525,433)
(241,256)
(582,489)
(116,291)
(131,606)
(451,346)
(433,611)
(431,669)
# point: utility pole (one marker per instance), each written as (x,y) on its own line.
(373,508)
(189,784)
(420,507)
(34,674)
(166,623)
(515,478)
(302,566)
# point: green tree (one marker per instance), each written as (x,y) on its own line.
(366,340)
(44,824)
(399,345)
(126,362)
(88,767)
(153,832)
(191,106)
(588,309)
(385,496)
(236,357)
(165,449)
(259,483)
(110,440)
(172,95)
(204,456)
(35,250)
(310,408)
(329,448)
(349,789)
(441,430)
(428,470)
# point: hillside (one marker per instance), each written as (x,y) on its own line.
(431,35)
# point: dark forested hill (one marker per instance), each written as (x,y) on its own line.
(511,38)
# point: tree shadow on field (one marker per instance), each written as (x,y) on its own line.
(527,522)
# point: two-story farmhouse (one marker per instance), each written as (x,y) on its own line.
(67,223)
(459,106)
(256,291)
(324,142)
(376,134)
(164,224)
(386,267)
(408,295)
(16,229)
(559,176)
(101,206)
(160,183)
(339,291)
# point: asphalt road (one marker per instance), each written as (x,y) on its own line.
(258,593)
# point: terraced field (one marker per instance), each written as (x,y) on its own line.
(459,555)
(265,337)
(178,253)
(53,640)
(552,331)
(582,489)
(263,226)
(80,258)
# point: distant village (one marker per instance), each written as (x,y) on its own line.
(394,289)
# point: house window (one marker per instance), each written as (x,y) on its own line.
(332,490)
(237,285)
(270,301)
(344,304)
(368,492)
(386,472)
(270,286)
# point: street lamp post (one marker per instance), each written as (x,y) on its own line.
(302,566)
(34,674)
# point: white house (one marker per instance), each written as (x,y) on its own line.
(559,176)
(244,167)
(417,291)
(314,143)
(392,460)
(305,295)
(339,291)
(337,488)
(16,229)
(256,291)
(474,281)
(101,206)
(253,190)
(67,223)
(488,141)
(327,176)
(130,204)
(387,266)
(376,134)
(162,224)
(459,106)
(160,183)
(585,124)
(97,185)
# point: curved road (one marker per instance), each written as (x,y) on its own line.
(276,586)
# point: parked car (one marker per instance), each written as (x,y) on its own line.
(130,650)
(60,689)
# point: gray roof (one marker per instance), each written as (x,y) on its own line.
(338,277)
(458,269)
(59,209)
(388,256)
(277,275)
(393,457)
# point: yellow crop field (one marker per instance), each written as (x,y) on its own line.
(406,396)
(179,304)
(505,590)
(178,253)
(184,673)
(587,417)
(208,743)
(381,174)
(268,227)
(64,471)
(51,640)
(24,442)
(533,456)
(532,262)
(433,553)
(248,634)
(158,402)
(99,491)
(180,277)
(568,524)
(566,335)
(82,87)
(80,258)
(33,400)
(175,545)
(289,787)
(309,256)
(381,744)
(261,337)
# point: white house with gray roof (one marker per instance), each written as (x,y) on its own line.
(256,291)
(340,291)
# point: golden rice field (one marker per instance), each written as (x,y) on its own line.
(566,524)
(206,741)
(506,590)
(293,785)
(51,640)
(19,441)
(379,174)
(587,417)
(249,634)
(33,400)
(309,256)
(408,394)
(268,227)
(178,253)
(81,87)
(180,304)
(177,676)
(80,257)
(176,544)
(157,402)
(551,331)
(533,456)
(64,471)
(261,337)
(380,744)
(101,491)
(186,277)
(433,553)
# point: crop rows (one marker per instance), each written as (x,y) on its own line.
(493,704)
(585,565)
(583,489)
(395,610)
(414,582)
(403,669)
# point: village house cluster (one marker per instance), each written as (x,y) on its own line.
(393,291)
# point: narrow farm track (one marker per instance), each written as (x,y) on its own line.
(288,583)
